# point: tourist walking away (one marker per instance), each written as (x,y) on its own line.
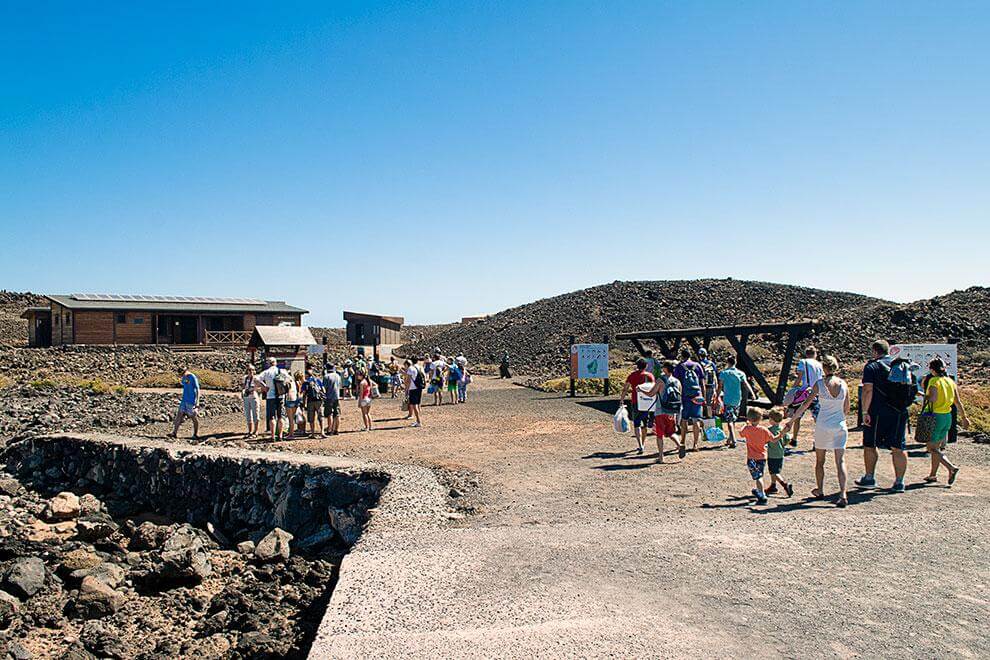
(757,438)
(250,386)
(941,394)
(394,377)
(731,383)
(347,380)
(189,405)
(642,419)
(464,381)
(276,385)
(652,364)
(692,379)
(331,400)
(415,382)
(667,389)
(710,371)
(503,367)
(435,370)
(775,454)
(808,372)
(831,432)
(313,397)
(453,378)
(362,382)
(293,400)
(885,420)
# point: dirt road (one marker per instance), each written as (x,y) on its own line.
(580,547)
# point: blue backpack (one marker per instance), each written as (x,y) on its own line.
(900,384)
(692,387)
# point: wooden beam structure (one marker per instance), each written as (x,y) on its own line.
(669,341)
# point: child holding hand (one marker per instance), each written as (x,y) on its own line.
(775,454)
(757,439)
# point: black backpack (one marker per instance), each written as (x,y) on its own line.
(420,380)
(900,395)
(282,382)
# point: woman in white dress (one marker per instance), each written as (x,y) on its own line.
(831,431)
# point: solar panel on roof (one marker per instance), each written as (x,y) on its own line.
(116,297)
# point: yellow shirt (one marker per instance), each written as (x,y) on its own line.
(945,390)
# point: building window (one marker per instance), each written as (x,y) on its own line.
(138,320)
(58,320)
(121,318)
(68,318)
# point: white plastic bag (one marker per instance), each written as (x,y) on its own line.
(620,422)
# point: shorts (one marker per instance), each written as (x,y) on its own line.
(730,414)
(452,387)
(775,465)
(290,405)
(274,408)
(943,422)
(313,407)
(331,408)
(690,411)
(642,418)
(364,403)
(415,396)
(887,430)
(665,425)
(251,409)
(756,467)
(188,409)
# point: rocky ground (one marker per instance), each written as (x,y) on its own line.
(78,582)
(29,410)
(13,329)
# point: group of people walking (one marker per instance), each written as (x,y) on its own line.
(670,396)
(295,402)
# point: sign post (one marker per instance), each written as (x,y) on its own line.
(588,361)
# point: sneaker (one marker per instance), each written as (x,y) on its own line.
(681,451)
(639,451)
(790,490)
(415,425)
(866,481)
(761,500)
(898,487)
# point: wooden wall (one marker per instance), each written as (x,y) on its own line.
(137,328)
(93,327)
(62,322)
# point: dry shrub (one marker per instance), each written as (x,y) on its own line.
(208,379)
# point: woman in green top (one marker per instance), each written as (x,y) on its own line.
(941,394)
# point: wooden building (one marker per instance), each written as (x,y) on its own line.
(378,333)
(117,319)
(288,344)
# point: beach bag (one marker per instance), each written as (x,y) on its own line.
(925,429)
(620,421)
(300,418)
(795,396)
(708,423)
(645,402)
(714,433)
(405,405)
(375,392)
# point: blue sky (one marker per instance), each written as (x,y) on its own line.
(443,159)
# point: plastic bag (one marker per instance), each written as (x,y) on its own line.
(620,422)
(714,434)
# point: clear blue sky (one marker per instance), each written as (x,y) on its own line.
(441,159)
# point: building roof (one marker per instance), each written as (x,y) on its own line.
(360,316)
(281,335)
(30,311)
(173,304)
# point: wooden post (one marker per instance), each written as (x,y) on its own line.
(605,386)
(573,382)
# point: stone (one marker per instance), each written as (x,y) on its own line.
(275,546)
(246,547)
(184,557)
(89,504)
(78,559)
(346,525)
(96,599)
(107,572)
(147,536)
(95,527)
(10,487)
(102,641)
(214,646)
(64,506)
(9,606)
(16,651)
(26,577)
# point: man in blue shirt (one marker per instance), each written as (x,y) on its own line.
(189,405)
(731,382)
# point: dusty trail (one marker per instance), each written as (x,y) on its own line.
(579,547)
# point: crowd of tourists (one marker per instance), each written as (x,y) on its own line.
(309,404)
(692,396)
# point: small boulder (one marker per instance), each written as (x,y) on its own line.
(96,599)
(64,506)
(107,572)
(9,606)
(184,557)
(16,651)
(147,536)
(246,547)
(89,504)
(26,577)
(78,559)
(95,527)
(10,487)
(275,546)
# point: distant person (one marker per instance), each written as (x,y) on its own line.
(831,432)
(731,384)
(453,378)
(395,378)
(503,367)
(667,389)
(313,398)
(775,454)
(293,401)
(710,371)
(189,405)
(642,419)
(652,364)
(757,438)
(692,379)
(941,394)
(250,386)
(809,371)
(275,387)
(415,382)
(465,380)
(435,371)
(884,420)
(362,382)
(347,379)
(331,400)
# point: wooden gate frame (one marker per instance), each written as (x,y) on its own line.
(738,336)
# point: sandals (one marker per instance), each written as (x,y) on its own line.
(817,494)
(952,476)
(790,490)
(931,480)
(681,451)
(842,503)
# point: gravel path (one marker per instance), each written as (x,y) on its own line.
(578,547)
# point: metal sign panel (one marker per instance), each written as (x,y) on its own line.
(589,361)
(923,354)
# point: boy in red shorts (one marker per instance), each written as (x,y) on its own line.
(668,389)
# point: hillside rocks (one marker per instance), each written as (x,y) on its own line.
(28,410)
(13,329)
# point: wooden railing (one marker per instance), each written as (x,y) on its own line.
(227,337)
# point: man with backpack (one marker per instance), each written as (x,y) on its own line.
(276,386)
(889,388)
(313,396)
(711,381)
(692,379)
(415,383)
(331,400)
(667,389)
(809,372)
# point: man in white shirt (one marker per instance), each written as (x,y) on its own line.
(415,379)
(809,372)
(274,404)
